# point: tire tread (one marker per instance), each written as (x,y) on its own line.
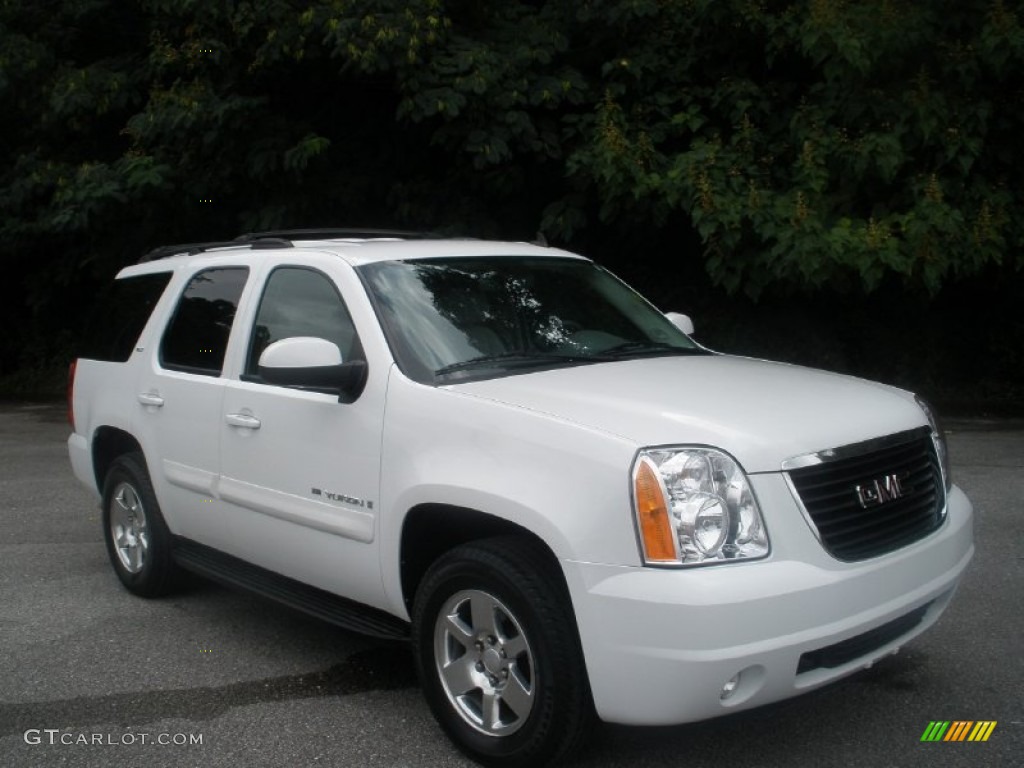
(522,565)
(161,575)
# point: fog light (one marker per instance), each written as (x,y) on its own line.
(742,686)
(729,688)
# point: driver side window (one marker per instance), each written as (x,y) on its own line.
(298,301)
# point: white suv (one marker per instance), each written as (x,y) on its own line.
(502,452)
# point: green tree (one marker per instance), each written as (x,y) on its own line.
(812,143)
(815,143)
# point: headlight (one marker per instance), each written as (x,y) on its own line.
(694,506)
(939,439)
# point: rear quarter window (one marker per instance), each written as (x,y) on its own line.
(120,313)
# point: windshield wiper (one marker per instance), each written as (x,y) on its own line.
(639,348)
(512,359)
(526,359)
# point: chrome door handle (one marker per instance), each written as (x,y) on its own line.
(243,420)
(151,398)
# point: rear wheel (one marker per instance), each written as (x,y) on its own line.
(138,542)
(498,653)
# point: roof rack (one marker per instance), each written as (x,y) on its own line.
(254,242)
(282,238)
(339,234)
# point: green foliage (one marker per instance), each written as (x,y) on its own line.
(826,143)
(806,143)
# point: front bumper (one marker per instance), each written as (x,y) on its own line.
(661,644)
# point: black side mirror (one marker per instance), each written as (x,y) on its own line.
(308,363)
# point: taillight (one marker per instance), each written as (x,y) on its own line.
(71,393)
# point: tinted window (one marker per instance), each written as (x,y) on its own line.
(197,336)
(301,302)
(122,311)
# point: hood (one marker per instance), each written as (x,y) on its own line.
(760,412)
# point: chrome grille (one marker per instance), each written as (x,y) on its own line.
(840,495)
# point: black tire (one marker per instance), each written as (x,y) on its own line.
(137,538)
(517,696)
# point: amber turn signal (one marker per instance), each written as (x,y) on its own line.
(652,515)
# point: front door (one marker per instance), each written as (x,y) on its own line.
(299,469)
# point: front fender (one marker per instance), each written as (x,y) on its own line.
(565,483)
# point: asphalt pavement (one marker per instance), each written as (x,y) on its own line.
(93,676)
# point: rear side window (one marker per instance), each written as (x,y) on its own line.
(121,313)
(197,337)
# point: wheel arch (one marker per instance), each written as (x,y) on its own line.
(107,444)
(430,530)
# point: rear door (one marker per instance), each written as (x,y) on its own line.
(178,409)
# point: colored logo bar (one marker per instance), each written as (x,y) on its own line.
(958,730)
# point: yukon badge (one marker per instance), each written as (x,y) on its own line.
(882,490)
(352,501)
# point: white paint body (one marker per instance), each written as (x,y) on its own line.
(550,451)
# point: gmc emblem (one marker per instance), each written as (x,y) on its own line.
(883,490)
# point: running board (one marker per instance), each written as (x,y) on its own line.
(234,572)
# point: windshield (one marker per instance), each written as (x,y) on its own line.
(470,318)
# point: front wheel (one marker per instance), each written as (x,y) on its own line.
(498,653)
